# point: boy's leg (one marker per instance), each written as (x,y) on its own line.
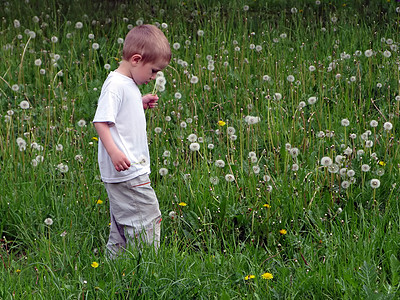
(146,235)
(134,208)
(116,239)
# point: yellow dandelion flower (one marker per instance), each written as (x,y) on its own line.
(267,205)
(283,231)
(99,201)
(95,139)
(95,264)
(267,276)
(248,277)
(18,271)
(382,163)
(221,123)
(182,204)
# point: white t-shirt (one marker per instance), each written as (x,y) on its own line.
(120,105)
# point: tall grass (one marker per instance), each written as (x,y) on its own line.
(281,98)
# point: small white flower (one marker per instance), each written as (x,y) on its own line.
(24,104)
(62,168)
(194,147)
(312,100)
(345,122)
(277,96)
(345,184)
(295,167)
(326,161)
(163,171)
(192,138)
(194,79)
(59,147)
(387,126)
(266,178)
(365,168)
(81,123)
(229,177)
(294,152)
(348,151)
(333,168)
(290,78)
(78,25)
(351,173)
(214,180)
(176,46)
(172,214)
(267,78)
(95,46)
(369,144)
(256,169)
(38,62)
(210,146)
(220,163)
(48,221)
(157,130)
(387,53)
(368,53)
(375,183)
(373,123)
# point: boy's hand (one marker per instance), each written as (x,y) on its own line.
(149,101)
(120,161)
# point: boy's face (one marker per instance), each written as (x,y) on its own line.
(143,73)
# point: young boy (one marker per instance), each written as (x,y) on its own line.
(123,152)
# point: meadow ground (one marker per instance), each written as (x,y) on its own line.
(275,150)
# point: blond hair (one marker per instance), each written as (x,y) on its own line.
(148,41)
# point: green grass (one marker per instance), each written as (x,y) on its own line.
(341,235)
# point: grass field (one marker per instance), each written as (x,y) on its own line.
(275,152)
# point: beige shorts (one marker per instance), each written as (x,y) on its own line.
(135,214)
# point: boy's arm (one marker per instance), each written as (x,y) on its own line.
(118,158)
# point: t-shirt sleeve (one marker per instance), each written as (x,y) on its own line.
(107,108)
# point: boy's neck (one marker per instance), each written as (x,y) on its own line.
(123,68)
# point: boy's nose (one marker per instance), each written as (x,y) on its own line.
(153,77)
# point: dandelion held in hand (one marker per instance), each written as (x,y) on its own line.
(159,86)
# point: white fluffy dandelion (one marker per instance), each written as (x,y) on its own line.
(48,221)
(375,183)
(194,147)
(312,100)
(229,177)
(163,171)
(326,161)
(387,126)
(24,104)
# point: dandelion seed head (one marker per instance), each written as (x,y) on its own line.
(326,161)
(387,126)
(375,183)
(24,104)
(194,147)
(229,178)
(48,221)
(312,100)
(163,171)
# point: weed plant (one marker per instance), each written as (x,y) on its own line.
(275,150)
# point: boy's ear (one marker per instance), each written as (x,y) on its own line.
(135,58)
